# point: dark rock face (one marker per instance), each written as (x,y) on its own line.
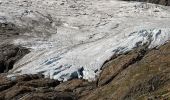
(9,54)
(162,2)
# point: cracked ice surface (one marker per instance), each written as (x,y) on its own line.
(72,39)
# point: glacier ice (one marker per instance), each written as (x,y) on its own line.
(68,42)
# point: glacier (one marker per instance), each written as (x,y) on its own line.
(73,39)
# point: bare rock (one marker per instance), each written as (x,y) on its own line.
(43,82)
(162,2)
(9,54)
(146,79)
(77,86)
(70,85)
(114,67)
(50,96)
(30,87)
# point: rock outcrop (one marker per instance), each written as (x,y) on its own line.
(162,2)
(79,87)
(9,54)
(31,87)
(128,78)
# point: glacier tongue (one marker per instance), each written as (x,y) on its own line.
(74,39)
(85,60)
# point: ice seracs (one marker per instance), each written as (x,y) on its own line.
(75,39)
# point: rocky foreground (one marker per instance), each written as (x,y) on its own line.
(137,75)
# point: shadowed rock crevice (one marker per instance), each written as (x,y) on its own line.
(9,54)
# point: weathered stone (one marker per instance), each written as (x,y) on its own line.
(114,67)
(28,87)
(9,54)
(146,79)
(40,83)
(77,86)
(70,85)
(50,96)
